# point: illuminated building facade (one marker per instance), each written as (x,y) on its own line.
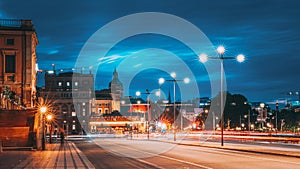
(18,41)
(71,95)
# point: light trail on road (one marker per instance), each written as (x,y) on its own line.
(180,156)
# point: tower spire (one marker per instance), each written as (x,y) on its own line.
(115,73)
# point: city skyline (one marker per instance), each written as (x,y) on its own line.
(265,32)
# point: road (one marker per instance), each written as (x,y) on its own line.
(124,153)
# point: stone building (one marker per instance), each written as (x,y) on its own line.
(70,95)
(18,41)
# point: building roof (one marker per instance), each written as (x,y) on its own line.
(16,24)
(104,94)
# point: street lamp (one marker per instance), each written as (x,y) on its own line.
(262,106)
(43,110)
(174,80)
(203,58)
(49,119)
(138,93)
(276,116)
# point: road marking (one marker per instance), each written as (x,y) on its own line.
(82,157)
(242,155)
(151,164)
(152,154)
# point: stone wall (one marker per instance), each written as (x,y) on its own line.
(16,128)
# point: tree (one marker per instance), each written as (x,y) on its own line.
(236,106)
(290,119)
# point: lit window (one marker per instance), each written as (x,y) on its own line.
(75,83)
(83,113)
(68,83)
(83,110)
(83,121)
(73,113)
(73,127)
(83,104)
(59,83)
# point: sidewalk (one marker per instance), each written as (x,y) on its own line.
(57,156)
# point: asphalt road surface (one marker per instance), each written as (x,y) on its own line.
(124,153)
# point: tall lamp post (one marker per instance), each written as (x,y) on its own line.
(161,81)
(43,110)
(138,93)
(276,123)
(49,119)
(262,106)
(203,58)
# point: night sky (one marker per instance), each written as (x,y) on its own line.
(266,32)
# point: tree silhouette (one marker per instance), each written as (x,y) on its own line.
(236,106)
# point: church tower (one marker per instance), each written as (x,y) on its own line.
(116,90)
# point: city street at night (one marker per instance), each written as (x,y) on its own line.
(153,154)
(172,84)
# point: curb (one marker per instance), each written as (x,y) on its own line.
(17,148)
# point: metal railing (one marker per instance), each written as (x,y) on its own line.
(16,23)
(11,22)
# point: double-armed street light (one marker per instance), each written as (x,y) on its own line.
(204,58)
(174,80)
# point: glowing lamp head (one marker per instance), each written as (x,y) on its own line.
(186,80)
(203,58)
(173,75)
(221,50)
(43,109)
(161,81)
(138,93)
(240,58)
(157,93)
(49,117)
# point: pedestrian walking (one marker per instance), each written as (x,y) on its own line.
(62,137)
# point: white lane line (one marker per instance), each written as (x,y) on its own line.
(162,156)
(83,157)
(243,155)
(151,164)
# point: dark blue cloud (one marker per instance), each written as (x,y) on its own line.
(267,32)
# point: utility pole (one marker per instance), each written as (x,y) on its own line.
(276,122)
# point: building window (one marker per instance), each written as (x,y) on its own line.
(11,78)
(68,84)
(73,127)
(10,41)
(83,104)
(106,111)
(73,113)
(10,64)
(59,84)
(75,83)
(99,110)
(83,113)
